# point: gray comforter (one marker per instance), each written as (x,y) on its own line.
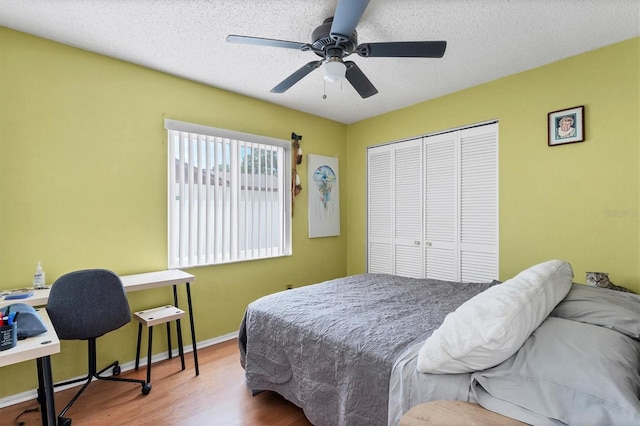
(329,348)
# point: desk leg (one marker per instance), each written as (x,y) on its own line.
(193,328)
(45,391)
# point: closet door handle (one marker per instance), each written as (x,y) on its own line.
(428,244)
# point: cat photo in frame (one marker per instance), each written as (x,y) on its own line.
(565,126)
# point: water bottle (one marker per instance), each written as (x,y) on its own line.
(38,277)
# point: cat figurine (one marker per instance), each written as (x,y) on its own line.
(601,279)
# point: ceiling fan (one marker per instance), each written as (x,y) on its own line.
(336,39)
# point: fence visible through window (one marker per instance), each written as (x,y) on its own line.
(229,197)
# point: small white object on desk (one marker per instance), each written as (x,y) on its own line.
(39,277)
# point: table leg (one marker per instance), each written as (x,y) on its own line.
(193,328)
(45,391)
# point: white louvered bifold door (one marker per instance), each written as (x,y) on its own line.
(379,210)
(479,203)
(433,206)
(441,207)
(408,222)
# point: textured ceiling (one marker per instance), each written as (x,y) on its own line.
(487,39)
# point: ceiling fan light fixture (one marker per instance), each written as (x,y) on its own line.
(334,69)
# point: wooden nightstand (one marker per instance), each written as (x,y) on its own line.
(453,413)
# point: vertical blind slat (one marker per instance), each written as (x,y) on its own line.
(281,212)
(242,203)
(193,200)
(223,203)
(202,199)
(182,251)
(208,211)
(267,193)
(171,228)
(260,202)
(217,253)
(233,186)
(255,205)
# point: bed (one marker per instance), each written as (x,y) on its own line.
(348,351)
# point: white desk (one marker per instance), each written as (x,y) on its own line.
(130,283)
(39,348)
(137,282)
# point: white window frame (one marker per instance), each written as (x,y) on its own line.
(208,223)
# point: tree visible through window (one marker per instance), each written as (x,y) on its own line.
(229,196)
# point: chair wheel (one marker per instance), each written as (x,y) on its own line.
(64,421)
(116,370)
(146,388)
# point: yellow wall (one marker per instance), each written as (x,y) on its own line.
(83,178)
(578,202)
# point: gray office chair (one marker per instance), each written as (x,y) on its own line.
(84,305)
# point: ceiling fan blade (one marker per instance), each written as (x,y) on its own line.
(296,77)
(359,81)
(403,49)
(257,41)
(347,16)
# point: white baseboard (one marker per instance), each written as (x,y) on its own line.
(33,393)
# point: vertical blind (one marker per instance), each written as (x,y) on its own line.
(229,196)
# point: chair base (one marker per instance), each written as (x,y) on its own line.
(95,374)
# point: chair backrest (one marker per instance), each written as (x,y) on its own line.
(87,304)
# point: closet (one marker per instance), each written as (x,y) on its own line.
(432,206)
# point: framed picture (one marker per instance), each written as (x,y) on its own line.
(566,126)
(324,196)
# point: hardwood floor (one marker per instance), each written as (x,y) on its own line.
(217,397)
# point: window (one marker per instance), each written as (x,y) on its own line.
(229,195)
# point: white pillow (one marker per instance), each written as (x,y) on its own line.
(491,326)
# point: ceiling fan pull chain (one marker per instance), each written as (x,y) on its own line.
(324,90)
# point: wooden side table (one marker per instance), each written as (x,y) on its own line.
(453,413)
